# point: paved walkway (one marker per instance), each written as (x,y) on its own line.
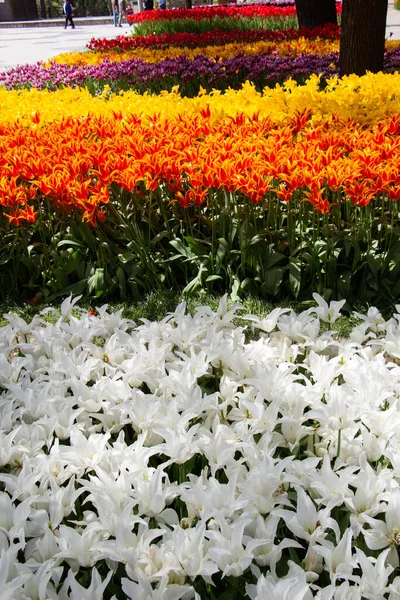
(29,43)
(393,22)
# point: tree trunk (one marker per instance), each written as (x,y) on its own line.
(362,39)
(312,13)
(43,9)
(188,3)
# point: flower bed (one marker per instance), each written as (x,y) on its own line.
(175,187)
(190,74)
(291,48)
(209,38)
(213,12)
(225,18)
(200,456)
(193,458)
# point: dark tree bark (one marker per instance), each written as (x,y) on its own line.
(188,3)
(312,13)
(23,10)
(362,38)
(43,9)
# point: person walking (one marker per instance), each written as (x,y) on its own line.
(115,12)
(69,12)
(122,11)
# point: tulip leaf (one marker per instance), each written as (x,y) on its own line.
(121,282)
(295,277)
(273,280)
(95,283)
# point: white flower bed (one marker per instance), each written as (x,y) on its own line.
(178,460)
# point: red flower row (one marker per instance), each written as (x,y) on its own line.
(215,37)
(208,12)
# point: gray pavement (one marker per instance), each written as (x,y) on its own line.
(393,22)
(28,43)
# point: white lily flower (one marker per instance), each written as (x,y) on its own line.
(269,322)
(339,560)
(78,548)
(386,533)
(42,549)
(373,319)
(373,582)
(307,522)
(343,592)
(229,550)
(284,589)
(8,451)
(179,443)
(38,586)
(84,452)
(333,485)
(190,547)
(263,488)
(11,577)
(143,590)
(336,413)
(299,328)
(151,492)
(368,497)
(77,592)
(329,313)
(268,553)
(394,587)
(210,498)
(219,446)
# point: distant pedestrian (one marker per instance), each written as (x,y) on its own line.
(148,4)
(69,13)
(121,10)
(115,12)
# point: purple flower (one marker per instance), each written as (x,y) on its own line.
(261,69)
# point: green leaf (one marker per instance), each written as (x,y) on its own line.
(235,289)
(213,278)
(5,259)
(121,282)
(395,289)
(344,284)
(182,248)
(295,277)
(125,258)
(75,289)
(294,556)
(221,252)
(228,595)
(70,243)
(273,280)
(96,283)
(195,246)
(195,285)
(374,263)
(260,237)
(272,260)
(157,238)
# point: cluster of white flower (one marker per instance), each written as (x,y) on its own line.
(176,459)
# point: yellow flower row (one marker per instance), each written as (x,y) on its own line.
(156,55)
(364,99)
(282,48)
